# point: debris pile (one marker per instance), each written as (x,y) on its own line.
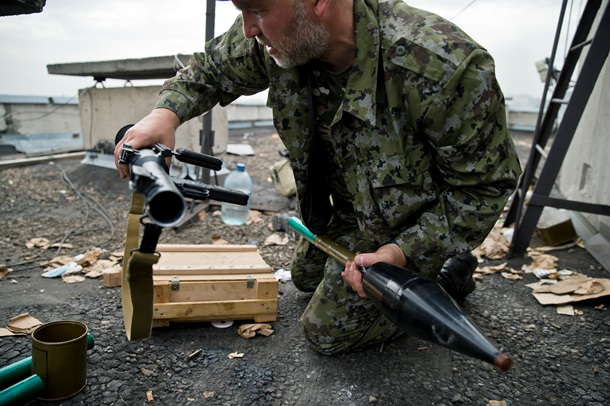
(75,269)
(555,286)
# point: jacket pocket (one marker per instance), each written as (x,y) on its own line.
(402,185)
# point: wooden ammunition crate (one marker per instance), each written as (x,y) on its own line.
(212,283)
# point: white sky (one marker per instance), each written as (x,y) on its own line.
(517,33)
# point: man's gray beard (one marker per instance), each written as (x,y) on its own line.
(307,41)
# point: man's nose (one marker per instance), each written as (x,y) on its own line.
(251,28)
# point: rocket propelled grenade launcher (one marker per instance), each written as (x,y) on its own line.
(418,306)
(164,194)
(158,201)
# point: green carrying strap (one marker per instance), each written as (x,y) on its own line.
(136,279)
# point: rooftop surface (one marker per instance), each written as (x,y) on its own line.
(558,359)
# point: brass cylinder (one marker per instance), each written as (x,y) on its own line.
(59,358)
(334,250)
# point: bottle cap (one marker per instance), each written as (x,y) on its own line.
(241,167)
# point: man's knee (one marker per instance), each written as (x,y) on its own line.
(339,342)
(307,267)
(333,336)
(325,344)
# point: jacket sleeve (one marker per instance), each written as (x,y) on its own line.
(474,164)
(231,66)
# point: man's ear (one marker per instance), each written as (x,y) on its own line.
(320,7)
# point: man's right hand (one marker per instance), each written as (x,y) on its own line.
(389,253)
(159,127)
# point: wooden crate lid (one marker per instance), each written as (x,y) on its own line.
(184,259)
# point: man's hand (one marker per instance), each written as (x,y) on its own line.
(159,127)
(389,253)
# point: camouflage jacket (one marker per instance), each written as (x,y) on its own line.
(421,132)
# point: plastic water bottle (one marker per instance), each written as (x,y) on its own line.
(238,179)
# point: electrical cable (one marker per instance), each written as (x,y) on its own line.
(62,105)
(73,231)
(97,207)
(462,10)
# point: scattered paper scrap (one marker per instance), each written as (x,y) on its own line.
(22,324)
(236,355)
(4,272)
(250,330)
(575,289)
(566,310)
(5,332)
(88,264)
(69,278)
(116,256)
(218,240)
(571,285)
(496,403)
(511,276)
(276,239)
(208,394)
(591,287)
(37,242)
(488,270)
(495,245)
(60,260)
(540,260)
(96,270)
(90,257)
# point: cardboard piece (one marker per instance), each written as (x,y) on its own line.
(112,277)
(575,289)
(555,227)
(22,324)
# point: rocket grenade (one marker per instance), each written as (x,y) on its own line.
(416,305)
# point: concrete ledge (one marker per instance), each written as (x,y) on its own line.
(39,159)
(158,67)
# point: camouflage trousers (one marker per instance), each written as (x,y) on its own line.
(336,320)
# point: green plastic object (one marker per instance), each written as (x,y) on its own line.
(22,391)
(300,228)
(334,250)
(21,369)
(15,372)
